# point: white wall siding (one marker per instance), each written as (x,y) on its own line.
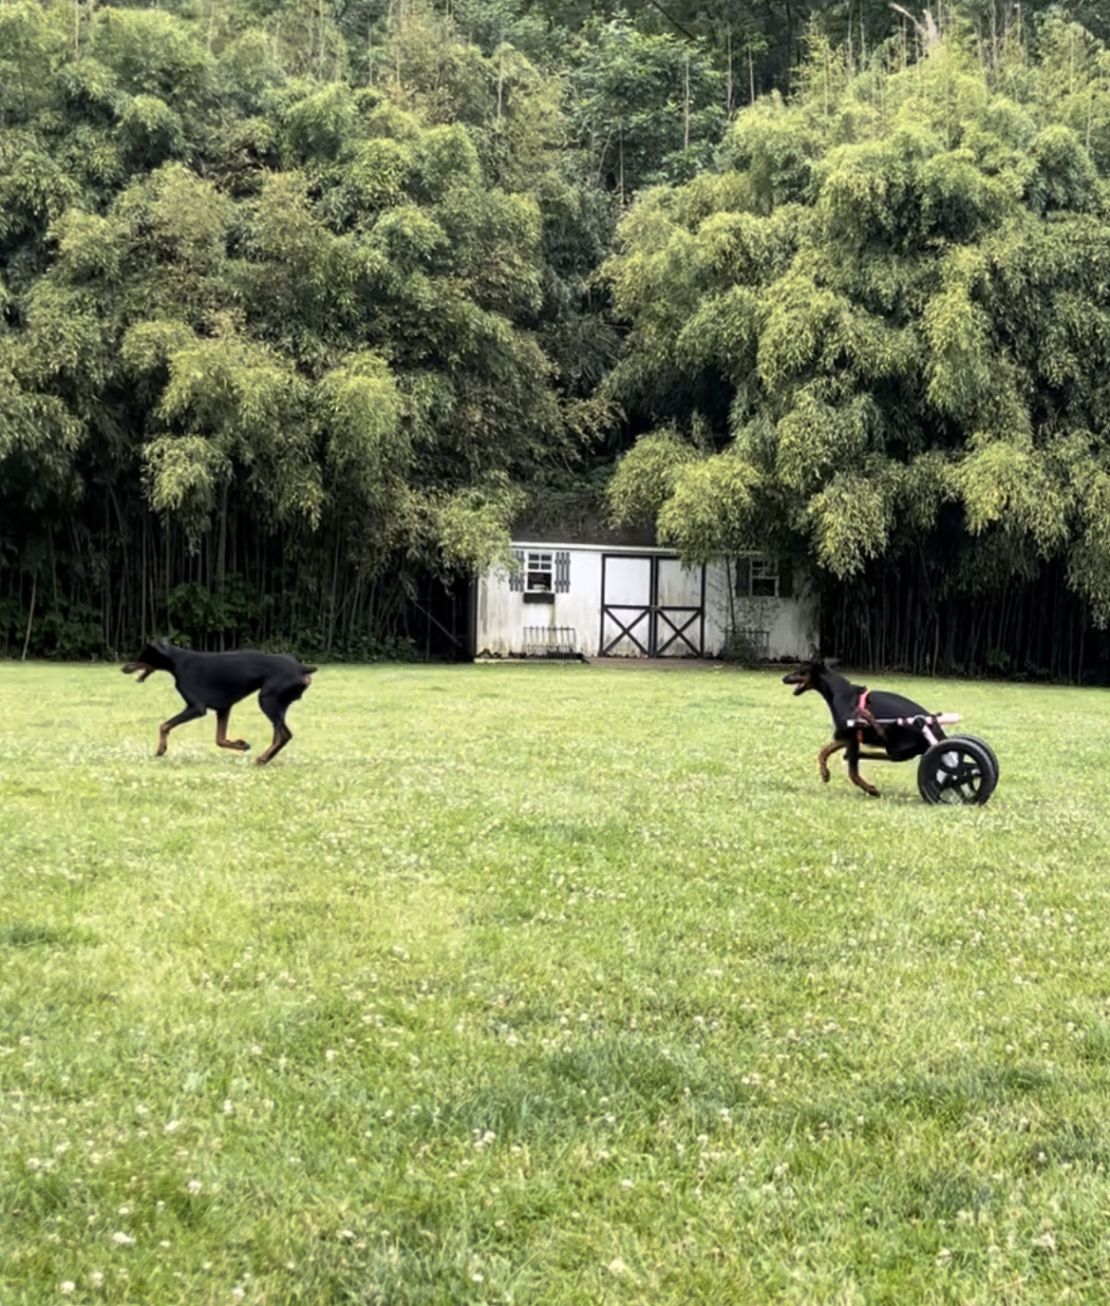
(791,624)
(502,614)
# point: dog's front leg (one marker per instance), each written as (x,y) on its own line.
(191,713)
(833,746)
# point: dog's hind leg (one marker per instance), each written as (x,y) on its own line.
(833,746)
(191,713)
(857,779)
(222,741)
(274,708)
(851,753)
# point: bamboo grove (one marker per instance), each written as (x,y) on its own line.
(301,305)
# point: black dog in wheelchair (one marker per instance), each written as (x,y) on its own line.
(957,769)
(219,681)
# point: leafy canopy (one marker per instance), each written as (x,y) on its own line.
(892,295)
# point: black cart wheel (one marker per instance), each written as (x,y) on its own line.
(959,770)
(986,749)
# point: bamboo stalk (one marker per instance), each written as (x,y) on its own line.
(30,615)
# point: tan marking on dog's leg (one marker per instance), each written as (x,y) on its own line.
(857,779)
(833,746)
(222,741)
(191,713)
(282,735)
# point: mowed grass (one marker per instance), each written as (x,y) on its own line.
(547,984)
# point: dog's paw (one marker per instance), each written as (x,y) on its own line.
(825,775)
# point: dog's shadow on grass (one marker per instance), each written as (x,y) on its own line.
(845,791)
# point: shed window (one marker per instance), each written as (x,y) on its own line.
(765,578)
(761,577)
(539,573)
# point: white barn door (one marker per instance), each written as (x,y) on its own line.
(679,610)
(651,607)
(625,605)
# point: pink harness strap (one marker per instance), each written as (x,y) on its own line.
(862,713)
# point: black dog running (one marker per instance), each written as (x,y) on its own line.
(219,681)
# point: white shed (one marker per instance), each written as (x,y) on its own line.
(637,600)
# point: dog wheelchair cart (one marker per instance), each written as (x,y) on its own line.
(956,769)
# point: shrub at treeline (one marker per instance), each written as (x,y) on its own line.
(301,305)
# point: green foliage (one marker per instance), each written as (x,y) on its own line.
(361,407)
(894,294)
(184,473)
(321,282)
(71,631)
(645,477)
(150,132)
(473,523)
(710,511)
(649,107)
(153,53)
(257,299)
(232,613)
(39,436)
(319,127)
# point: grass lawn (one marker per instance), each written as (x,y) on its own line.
(553,984)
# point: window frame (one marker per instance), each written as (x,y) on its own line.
(763,570)
(539,568)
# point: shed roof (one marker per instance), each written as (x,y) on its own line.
(602,537)
(562,517)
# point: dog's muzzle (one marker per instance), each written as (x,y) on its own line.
(800,682)
(129,668)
